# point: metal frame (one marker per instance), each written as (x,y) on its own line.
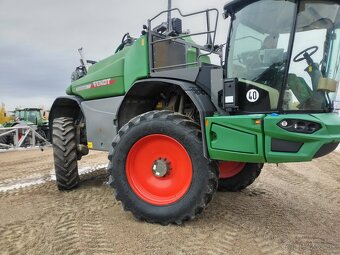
(19,142)
(178,38)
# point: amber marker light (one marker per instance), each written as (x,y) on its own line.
(258,122)
(206,123)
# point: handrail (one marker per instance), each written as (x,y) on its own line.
(209,50)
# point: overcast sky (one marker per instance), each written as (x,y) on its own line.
(39,40)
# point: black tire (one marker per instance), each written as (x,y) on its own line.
(43,135)
(204,173)
(241,180)
(4,139)
(65,153)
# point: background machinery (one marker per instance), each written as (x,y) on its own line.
(23,117)
(178,127)
(4,117)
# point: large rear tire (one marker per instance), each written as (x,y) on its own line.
(236,176)
(158,170)
(65,153)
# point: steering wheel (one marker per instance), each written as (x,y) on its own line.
(298,57)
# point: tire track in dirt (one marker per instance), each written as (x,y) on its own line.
(239,216)
(13,234)
(66,233)
(303,209)
(327,192)
(281,213)
(65,210)
(260,217)
(93,234)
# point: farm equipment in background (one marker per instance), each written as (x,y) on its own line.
(4,117)
(22,135)
(178,127)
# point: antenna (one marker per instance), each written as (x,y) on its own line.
(82,59)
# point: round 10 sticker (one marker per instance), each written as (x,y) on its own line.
(252,95)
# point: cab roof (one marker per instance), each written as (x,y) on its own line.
(309,18)
(236,5)
(28,109)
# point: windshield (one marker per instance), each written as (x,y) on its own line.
(33,116)
(314,67)
(259,52)
(19,115)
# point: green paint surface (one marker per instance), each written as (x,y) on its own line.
(136,62)
(239,138)
(109,68)
(329,133)
(238,141)
(235,138)
(125,67)
(192,53)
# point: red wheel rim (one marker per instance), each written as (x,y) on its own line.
(230,168)
(139,164)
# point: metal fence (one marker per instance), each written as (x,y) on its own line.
(22,136)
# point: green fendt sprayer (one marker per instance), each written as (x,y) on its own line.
(178,127)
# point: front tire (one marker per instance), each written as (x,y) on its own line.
(236,176)
(65,153)
(158,170)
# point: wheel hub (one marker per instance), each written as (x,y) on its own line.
(161,167)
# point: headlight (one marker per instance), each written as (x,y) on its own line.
(299,126)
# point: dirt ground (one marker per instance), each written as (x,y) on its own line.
(291,209)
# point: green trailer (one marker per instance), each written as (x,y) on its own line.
(178,127)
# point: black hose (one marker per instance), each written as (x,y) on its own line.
(121,46)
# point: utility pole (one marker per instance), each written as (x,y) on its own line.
(169,16)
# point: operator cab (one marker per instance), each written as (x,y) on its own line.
(285,56)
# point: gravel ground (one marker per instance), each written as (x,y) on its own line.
(291,209)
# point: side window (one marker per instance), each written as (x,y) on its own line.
(21,115)
(245,52)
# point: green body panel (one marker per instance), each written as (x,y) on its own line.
(329,133)
(235,138)
(238,141)
(124,68)
(192,53)
(192,57)
(109,68)
(136,62)
(239,138)
(9,124)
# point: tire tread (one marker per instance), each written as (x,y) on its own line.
(65,154)
(189,127)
